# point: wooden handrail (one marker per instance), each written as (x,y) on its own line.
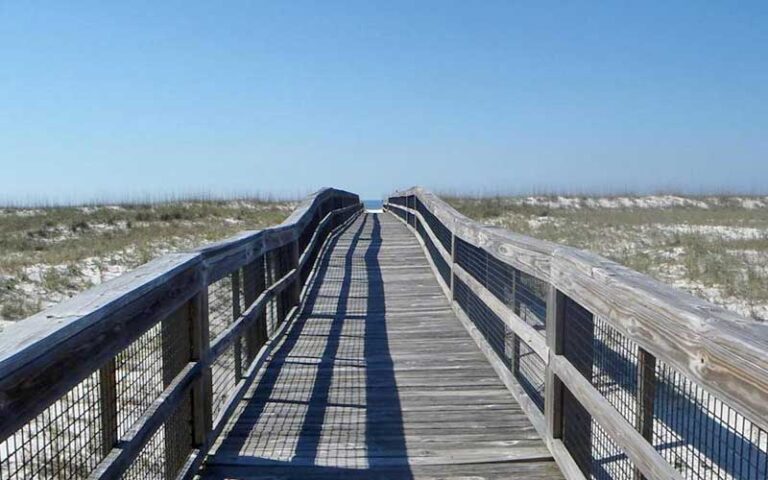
(46,355)
(721,352)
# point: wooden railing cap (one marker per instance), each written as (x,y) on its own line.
(723,352)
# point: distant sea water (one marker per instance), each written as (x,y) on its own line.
(373,204)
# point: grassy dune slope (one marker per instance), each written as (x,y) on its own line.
(49,254)
(714,247)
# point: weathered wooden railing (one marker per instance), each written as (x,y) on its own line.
(622,376)
(137,377)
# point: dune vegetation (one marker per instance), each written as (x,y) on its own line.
(713,246)
(49,254)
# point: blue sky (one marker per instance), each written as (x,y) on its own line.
(130,98)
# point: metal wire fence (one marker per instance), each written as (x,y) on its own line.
(702,437)
(699,435)
(89,424)
(442,266)
(521,292)
(63,441)
(442,233)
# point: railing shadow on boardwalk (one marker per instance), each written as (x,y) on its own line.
(381,394)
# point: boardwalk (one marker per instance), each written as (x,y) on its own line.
(326,347)
(378,379)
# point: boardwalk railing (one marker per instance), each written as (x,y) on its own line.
(137,377)
(623,376)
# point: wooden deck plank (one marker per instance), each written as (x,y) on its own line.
(378,379)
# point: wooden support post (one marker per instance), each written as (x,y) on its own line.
(277,262)
(553,392)
(294,263)
(453,264)
(273,306)
(516,309)
(202,390)
(262,268)
(578,340)
(238,347)
(108,401)
(253,278)
(646,392)
(510,300)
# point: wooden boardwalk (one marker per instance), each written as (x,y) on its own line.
(377,378)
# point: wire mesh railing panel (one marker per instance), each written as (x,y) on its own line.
(531,297)
(168,448)
(308,231)
(223,379)
(442,266)
(150,462)
(522,293)
(473,260)
(615,369)
(608,459)
(702,437)
(502,280)
(699,435)
(530,371)
(442,233)
(577,432)
(219,306)
(139,377)
(608,359)
(71,437)
(253,284)
(488,323)
(176,341)
(178,437)
(64,441)
(578,337)
(410,202)
(592,449)
(312,255)
(278,265)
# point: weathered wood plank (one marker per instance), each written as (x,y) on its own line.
(555,340)
(254,313)
(526,332)
(363,378)
(542,424)
(43,368)
(47,354)
(118,461)
(642,454)
(724,353)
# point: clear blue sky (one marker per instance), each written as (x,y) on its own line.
(111,98)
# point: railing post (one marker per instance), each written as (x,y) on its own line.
(272,310)
(453,262)
(553,391)
(294,264)
(108,400)
(202,390)
(646,391)
(238,346)
(515,357)
(253,285)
